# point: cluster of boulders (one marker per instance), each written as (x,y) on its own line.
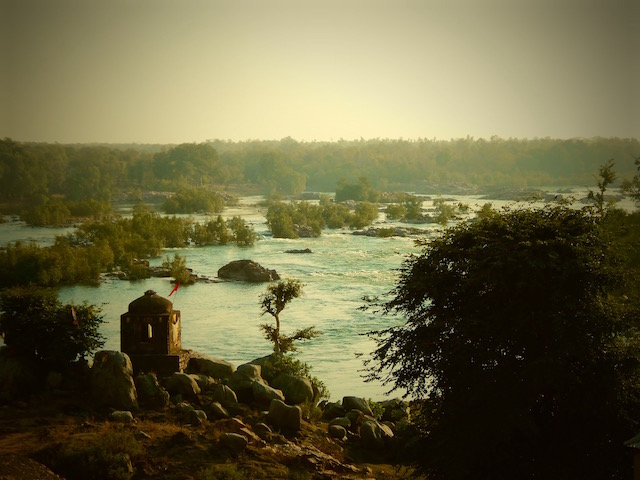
(251,410)
(355,418)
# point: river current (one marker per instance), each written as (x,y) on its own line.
(222,319)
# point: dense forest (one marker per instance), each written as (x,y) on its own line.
(30,172)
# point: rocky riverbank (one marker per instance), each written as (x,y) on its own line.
(212,421)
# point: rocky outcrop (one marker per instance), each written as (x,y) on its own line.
(305,231)
(374,434)
(263,394)
(242,380)
(183,384)
(112,382)
(247,271)
(151,394)
(302,250)
(296,390)
(284,417)
(224,394)
(213,367)
(357,403)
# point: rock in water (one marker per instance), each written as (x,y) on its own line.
(247,271)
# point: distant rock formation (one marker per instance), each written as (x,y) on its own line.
(303,250)
(247,271)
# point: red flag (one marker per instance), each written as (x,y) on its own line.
(175,288)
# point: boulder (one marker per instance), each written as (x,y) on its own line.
(284,417)
(302,250)
(296,389)
(121,416)
(375,434)
(305,231)
(356,417)
(217,411)
(212,367)
(150,393)
(337,431)
(263,393)
(241,382)
(333,410)
(224,394)
(205,382)
(262,430)
(197,417)
(183,384)
(342,421)
(357,403)
(111,380)
(247,271)
(234,441)
(395,410)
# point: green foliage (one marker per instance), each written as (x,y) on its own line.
(519,333)
(178,269)
(386,232)
(57,212)
(276,298)
(364,214)
(377,409)
(243,234)
(278,363)
(408,209)
(99,246)
(395,211)
(108,458)
(413,207)
(485,211)
(286,219)
(360,192)
(212,232)
(443,211)
(49,212)
(34,324)
(225,471)
(606,176)
(280,220)
(192,201)
(189,164)
(30,171)
(632,187)
(62,263)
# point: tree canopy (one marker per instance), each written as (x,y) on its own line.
(273,302)
(354,169)
(35,324)
(521,346)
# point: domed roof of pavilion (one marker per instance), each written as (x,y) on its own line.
(150,303)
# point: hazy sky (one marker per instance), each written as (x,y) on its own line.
(171,71)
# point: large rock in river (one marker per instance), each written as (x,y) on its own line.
(247,271)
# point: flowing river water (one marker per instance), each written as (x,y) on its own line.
(221,319)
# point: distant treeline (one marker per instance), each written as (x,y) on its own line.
(31,171)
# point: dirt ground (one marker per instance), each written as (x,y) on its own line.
(55,437)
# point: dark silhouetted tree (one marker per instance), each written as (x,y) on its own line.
(521,347)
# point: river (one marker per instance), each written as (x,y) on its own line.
(222,319)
